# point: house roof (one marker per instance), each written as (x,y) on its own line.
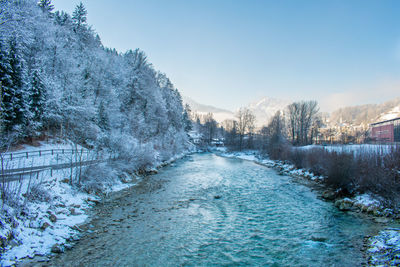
(376,123)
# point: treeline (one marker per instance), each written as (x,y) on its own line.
(57,79)
(298,124)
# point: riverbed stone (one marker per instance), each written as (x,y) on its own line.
(344,204)
(372,210)
(72,211)
(319,238)
(95,201)
(382,220)
(57,248)
(44,226)
(52,218)
(329,195)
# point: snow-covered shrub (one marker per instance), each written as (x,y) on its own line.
(145,157)
(38,193)
(98,179)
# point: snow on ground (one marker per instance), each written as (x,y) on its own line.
(29,156)
(51,217)
(283,167)
(392,114)
(367,200)
(53,213)
(358,148)
(45,221)
(248,155)
(384,248)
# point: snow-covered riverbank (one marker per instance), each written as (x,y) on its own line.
(47,217)
(382,249)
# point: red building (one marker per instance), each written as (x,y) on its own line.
(386,131)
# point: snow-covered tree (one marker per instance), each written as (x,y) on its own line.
(37,99)
(79,17)
(16,76)
(76,88)
(46,6)
(7,91)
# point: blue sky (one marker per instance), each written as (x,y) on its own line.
(228,53)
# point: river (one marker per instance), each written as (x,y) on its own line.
(207,210)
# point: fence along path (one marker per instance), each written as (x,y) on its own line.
(17,174)
(39,153)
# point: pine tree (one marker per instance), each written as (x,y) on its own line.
(62,18)
(17,98)
(186,119)
(79,16)
(6,91)
(102,118)
(37,96)
(11,79)
(46,6)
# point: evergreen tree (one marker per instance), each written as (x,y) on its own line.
(37,97)
(186,119)
(17,98)
(79,16)
(102,117)
(46,6)
(62,18)
(6,91)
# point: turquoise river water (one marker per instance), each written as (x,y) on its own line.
(207,210)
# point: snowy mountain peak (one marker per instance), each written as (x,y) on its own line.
(219,114)
(265,108)
(267,101)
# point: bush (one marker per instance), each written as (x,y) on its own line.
(38,193)
(376,172)
(340,171)
(98,178)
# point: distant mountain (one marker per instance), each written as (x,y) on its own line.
(366,114)
(265,108)
(219,114)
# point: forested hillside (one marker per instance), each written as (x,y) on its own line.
(364,114)
(58,79)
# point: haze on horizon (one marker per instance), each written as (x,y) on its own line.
(229,53)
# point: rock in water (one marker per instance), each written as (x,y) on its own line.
(344,204)
(329,195)
(318,238)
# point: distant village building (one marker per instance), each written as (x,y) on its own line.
(386,131)
(195,137)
